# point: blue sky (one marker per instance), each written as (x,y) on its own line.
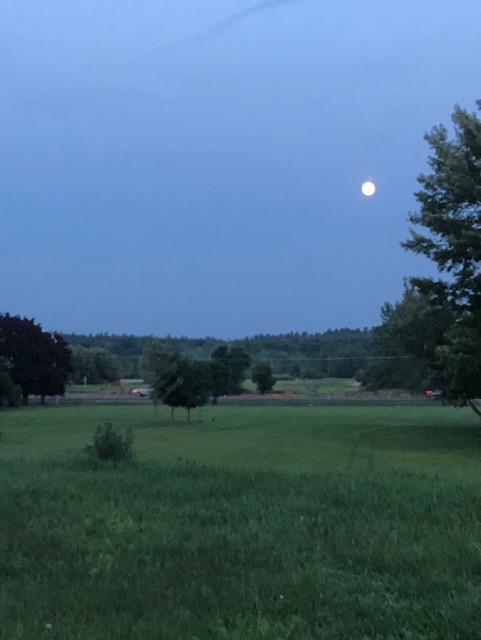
(193,168)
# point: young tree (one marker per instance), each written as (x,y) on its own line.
(450,218)
(262,377)
(176,381)
(196,383)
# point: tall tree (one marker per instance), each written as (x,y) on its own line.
(450,236)
(40,361)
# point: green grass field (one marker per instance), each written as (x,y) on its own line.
(314,388)
(277,522)
(286,438)
(122,387)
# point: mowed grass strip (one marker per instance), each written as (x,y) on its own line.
(178,552)
(306,438)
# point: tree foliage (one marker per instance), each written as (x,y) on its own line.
(40,362)
(95,364)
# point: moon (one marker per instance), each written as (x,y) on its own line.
(368,188)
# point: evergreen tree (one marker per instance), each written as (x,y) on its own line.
(450,236)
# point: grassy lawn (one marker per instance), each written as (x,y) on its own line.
(122,387)
(279,522)
(322,388)
(302,439)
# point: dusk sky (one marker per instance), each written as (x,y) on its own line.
(193,167)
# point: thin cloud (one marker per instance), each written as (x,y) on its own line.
(224,25)
(246,13)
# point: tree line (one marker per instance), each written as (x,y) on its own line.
(340,353)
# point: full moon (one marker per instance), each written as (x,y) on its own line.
(368,188)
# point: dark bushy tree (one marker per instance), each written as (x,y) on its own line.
(40,362)
(262,377)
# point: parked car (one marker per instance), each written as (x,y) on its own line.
(142,392)
(434,393)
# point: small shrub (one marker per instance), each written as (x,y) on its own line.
(110,444)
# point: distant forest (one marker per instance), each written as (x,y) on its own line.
(339,353)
